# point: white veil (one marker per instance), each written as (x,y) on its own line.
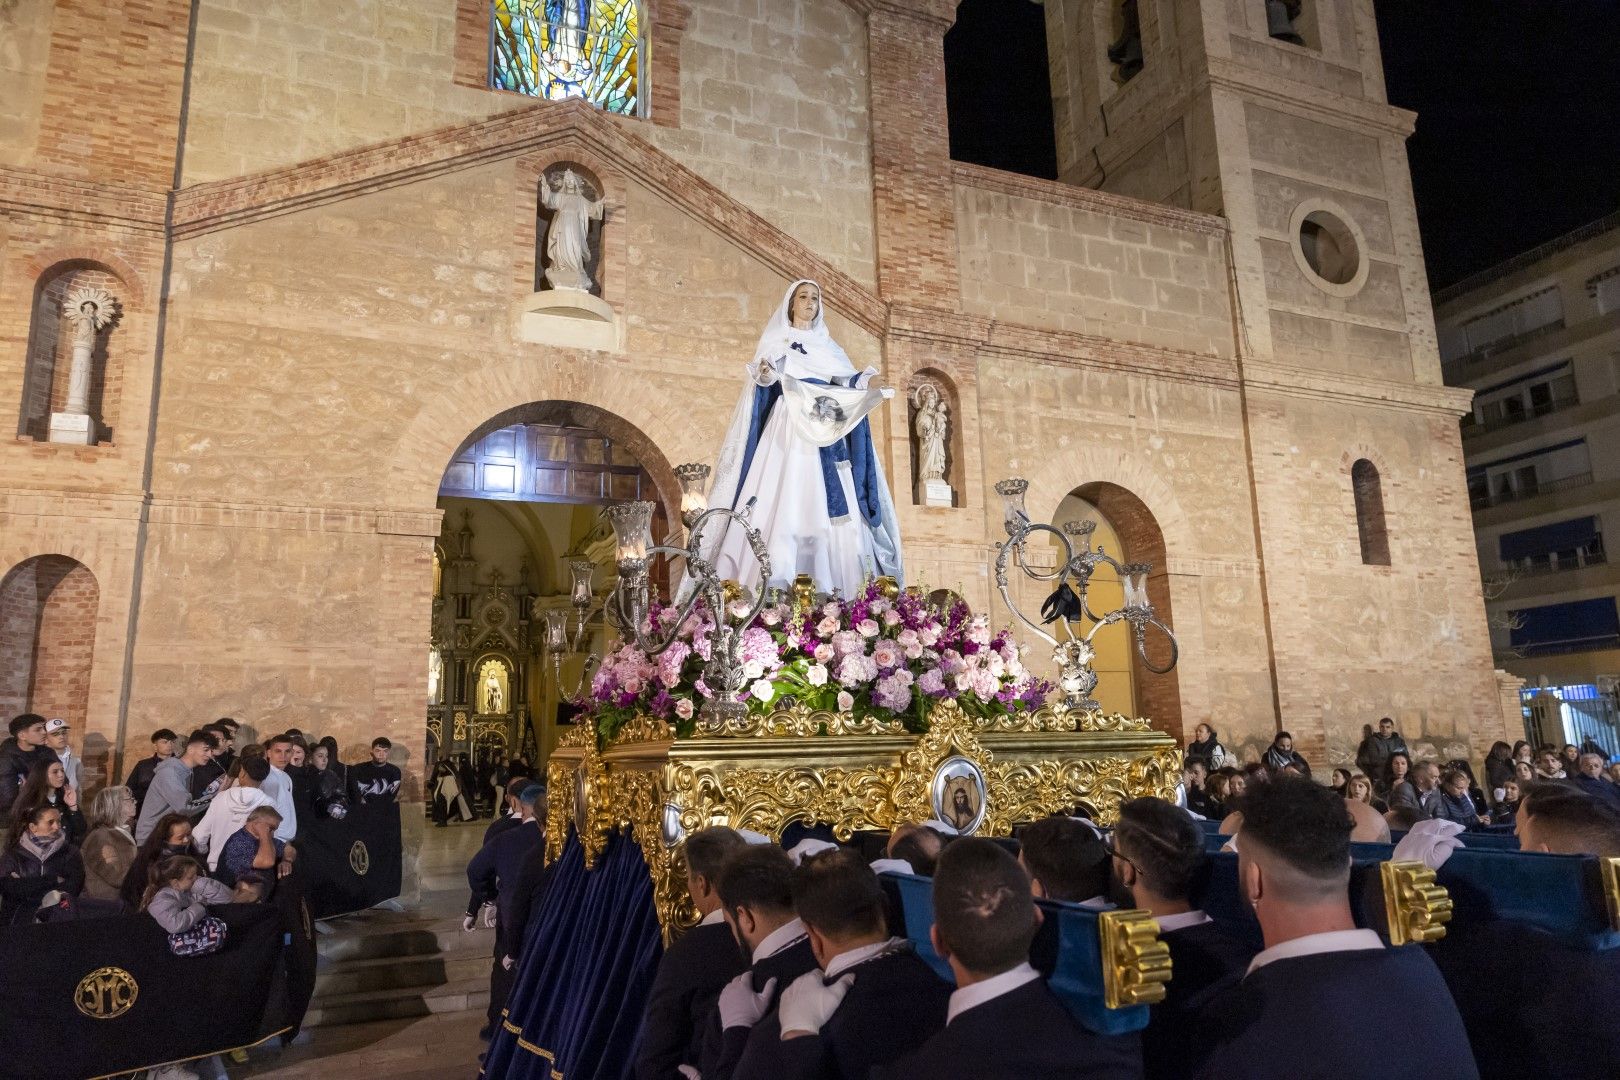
(818,357)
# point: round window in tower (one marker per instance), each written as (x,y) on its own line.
(1328,248)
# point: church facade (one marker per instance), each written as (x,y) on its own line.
(322,230)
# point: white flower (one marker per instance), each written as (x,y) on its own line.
(824,653)
(738,609)
(868,628)
(771,617)
(763,690)
(816,675)
(753,669)
(846,701)
(830,610)
(827,627)
(683,708)
(891,618)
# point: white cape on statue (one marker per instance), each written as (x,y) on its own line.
(785,478)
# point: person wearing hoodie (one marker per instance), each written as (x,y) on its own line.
(19,754)
(56,737)
(38,868)
(230,809)
(170,792)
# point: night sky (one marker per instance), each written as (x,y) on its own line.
(1518,103)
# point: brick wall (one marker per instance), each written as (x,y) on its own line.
(48,609)
(110,106)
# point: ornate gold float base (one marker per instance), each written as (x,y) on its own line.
(983,776)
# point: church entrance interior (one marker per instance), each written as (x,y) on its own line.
(522,504)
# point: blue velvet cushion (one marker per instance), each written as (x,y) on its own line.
(1067,950)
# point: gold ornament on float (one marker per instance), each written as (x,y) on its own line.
(106,993)
(359,858)
(765,771)
(1416,907)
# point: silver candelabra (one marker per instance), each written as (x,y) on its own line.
(559,642)
(630,602)
(1068,606)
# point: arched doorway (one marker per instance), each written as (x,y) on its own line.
(1127,530)
(522,496)
(48,610)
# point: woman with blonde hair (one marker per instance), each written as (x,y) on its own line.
(109,849)
(1360,789)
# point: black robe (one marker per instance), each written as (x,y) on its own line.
(690,977)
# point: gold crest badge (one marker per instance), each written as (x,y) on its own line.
(106,993)
(359,858)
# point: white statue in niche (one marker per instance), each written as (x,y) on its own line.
(493,690)
(931,422)
(435,676)
(89,310)
(568,248)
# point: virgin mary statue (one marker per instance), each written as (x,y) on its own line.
(799,448)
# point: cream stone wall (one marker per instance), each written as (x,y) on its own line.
(1058,261)
(278,83)
(774,109)
(25,38)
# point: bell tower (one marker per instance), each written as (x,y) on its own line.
(1272,114)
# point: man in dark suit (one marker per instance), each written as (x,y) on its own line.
(1066,860)
(694,968)
(1002,1022)
(492,876)
(756,897)
(1324,998)
(871,998)
(1158,855)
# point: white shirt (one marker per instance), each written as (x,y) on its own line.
(1098,903)
(717,915)
(981,992)
(278,785)
(779,939)
(860,955)
(1312,944)
(1169,923)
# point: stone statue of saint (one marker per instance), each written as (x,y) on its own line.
(435,676)
(90,311)
(494,699)
(932,425)
(568,248)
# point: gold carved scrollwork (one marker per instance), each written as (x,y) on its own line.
(1135,963)
(1416,906)
(797,721)
(768,800)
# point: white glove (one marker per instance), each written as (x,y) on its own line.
(809,846)
(488,914)
(1430,843)
(891,866)
(507,962)
(51,899)
(740,1006)
(688,1072)
(470,923)
(809,1003)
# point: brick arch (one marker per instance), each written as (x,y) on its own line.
(43,262)
(1060,474)
(48,609)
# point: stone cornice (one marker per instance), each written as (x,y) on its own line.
(91,202)
(1102,202)
(1058,347)
(1268,377)
(1368,117)
(222,204)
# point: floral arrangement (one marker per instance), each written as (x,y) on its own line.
(870,656)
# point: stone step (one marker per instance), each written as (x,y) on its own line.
(402,938)
(367,1006)
(407,974)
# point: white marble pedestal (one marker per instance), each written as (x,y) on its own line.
(74,428)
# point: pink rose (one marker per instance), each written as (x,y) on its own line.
(846,701)
(868,628)
(824,652)
(891,618)
(827,627)
(886,654)
(816,675)
(683,708)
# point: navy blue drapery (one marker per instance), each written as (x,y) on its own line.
(855,448)
(584,972)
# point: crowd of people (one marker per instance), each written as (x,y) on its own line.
(1391,792)
(797,967)
(201,821)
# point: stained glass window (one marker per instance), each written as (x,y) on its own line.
(557,49)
